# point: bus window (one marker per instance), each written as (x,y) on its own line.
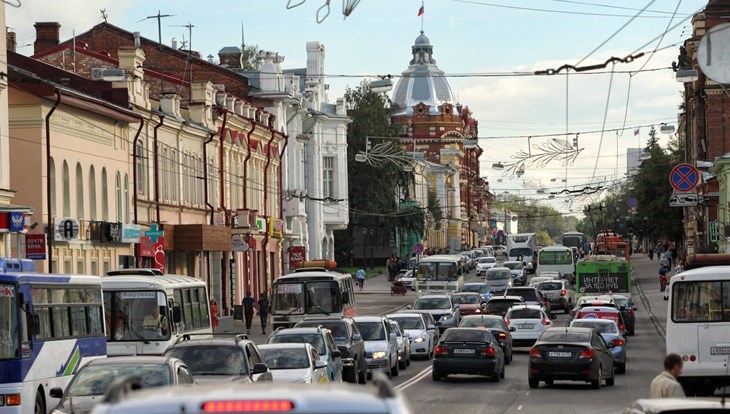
(701,301)
(288,298)
(205,317)
(8,323)
(323,297)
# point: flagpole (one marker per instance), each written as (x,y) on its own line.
(422,7)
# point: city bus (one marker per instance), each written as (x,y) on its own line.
(698,325)
(556,259)
(603,274)
(575,239)
(50,325)
(314,289)
(146,310)
(440,272)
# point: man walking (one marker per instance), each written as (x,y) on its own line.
(264,307)
(248,303)
(668,255)
(361,277)
(665,385)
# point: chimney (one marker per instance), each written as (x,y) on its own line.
(11,42)
(46,36)
(230,57)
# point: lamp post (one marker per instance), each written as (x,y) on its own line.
(364,253)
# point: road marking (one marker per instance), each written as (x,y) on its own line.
(527,393)
(519,408)
(415,379)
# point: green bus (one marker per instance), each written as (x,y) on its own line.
(603,274)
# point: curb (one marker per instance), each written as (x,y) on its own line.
(657,325)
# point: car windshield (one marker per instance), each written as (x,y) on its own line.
(513,266)
(95,379)
(432,303)
(481,323)
(550,286)
(528,295)
(498,274)
(487,260)
(337,329)
(500,305)
(475,288)
(621,302)
(609,328)
(211,359)
(564,336)
(472,335)
(525,314)
(466,299)
(409,322)
(371,331)
(286,358)
(314,339)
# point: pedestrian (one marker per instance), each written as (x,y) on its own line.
(668,255)
(214,316)
(663,262)
(248,308)
(665,385)
(651,251)
(263,306)
(361,277)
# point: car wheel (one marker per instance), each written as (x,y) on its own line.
(402,364)
(533,383)
(395,371)
(596,384)
(436,376)
(507,358)
(350,375)
(363,376)
(408,360)
(612,379)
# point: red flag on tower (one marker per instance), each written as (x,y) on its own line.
(420,11)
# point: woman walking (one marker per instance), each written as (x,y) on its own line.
(263,307)
(214,316)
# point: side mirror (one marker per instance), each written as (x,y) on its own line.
(393,336)
(320,364)
(512,329)
(357,337)
(176,314)
(336,353)
(259,368)
(56,393)
(430,327)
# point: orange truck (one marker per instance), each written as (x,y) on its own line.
(610,242)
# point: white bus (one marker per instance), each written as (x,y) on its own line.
(146,310)
(698,327)
(440,273)
(50,325)
(556,259)
(523,246)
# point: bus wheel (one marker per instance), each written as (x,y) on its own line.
(40,403)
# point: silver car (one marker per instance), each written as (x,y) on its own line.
(381,344)
(443,309)
(404,345)
(295,363)
(499,278)
(420,333)
(484,264)
(560,293)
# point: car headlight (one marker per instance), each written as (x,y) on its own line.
(378,354)
(445,317)
(419,339)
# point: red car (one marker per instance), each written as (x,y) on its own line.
(469,302)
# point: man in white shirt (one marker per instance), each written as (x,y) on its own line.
(665,385)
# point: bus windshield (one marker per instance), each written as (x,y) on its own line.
(443,271)
(9,329)
(701,301)
(321,297)
(552,257)
(573,241)
(136,315)
(525,252)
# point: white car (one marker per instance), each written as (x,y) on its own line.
(421,334)
(500,250)
(517,270)
(484,264)
(408,277)
(529,321)
(295,362)
(539,279)
(404,345)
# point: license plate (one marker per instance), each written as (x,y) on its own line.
(559,354)
(525,326)
(464,351)
(719,350)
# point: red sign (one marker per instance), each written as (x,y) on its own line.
(35,246)
(296,256)
(156,250)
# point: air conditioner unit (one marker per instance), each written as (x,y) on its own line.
(109,75)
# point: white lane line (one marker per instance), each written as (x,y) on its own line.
(519,408)
(527,393)
(415,379)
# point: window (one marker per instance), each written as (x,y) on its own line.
(118,192)
(141,170)
(172,174)
(701,301)
(164,173)
(104,196)
(66,191)
(80,213)
(328,176)
(126,198)
(556,257)
(68,312)
(81,266)
(92,193)
(185,195)
(52,174)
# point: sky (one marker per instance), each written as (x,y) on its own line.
(489,50)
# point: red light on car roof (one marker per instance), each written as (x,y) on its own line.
(248,406)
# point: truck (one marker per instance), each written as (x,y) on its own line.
(609,242)
(523,246)
(603,274)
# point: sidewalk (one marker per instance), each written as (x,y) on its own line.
(646,281)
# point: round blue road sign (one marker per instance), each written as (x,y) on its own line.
(684,177)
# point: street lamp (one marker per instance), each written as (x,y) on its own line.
(687,75)
(498,166)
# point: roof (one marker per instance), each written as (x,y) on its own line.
(296,331)
(136,360)
(404,314)
(519,306)
(497,298)
(285,345)
(368,318)
(487,316)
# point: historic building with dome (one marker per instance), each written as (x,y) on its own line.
(433,124)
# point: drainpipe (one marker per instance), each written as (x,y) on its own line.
(222,168)
(248,264)
(49,214)
(265,243)
(281,193)
(134,181)
(157,169)
(205,174)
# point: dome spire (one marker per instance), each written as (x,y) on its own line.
(422,51)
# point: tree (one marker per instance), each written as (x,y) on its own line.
(250,57)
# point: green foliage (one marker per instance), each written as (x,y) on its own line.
(433,207)
(533,216)
(543,239)
(250,58)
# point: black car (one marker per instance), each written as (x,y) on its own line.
(627,308)
(572,354)
(468,351)
(350,343)
(221,358)
(499,305)
(495,324)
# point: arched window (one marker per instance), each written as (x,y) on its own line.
(141,170)
(92,193)
(52,191)
(104,196)
(126,198)
(66,191)
(80,213)
(172,173)
(118,192)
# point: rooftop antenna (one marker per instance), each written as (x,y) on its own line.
(103,14)
(190,51)
(159,17)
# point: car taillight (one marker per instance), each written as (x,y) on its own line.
(588,353)
(535,353)
(563,292)
(621,326)
(502,335)
(441,350)
(487,351)
(545,322)
(247,406)
(631,312)
(617,342)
